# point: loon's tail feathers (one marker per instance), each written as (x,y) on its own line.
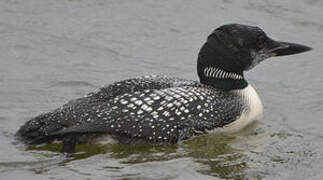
(36,128)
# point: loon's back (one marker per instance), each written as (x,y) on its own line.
(150,109)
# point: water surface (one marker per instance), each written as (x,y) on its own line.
(54,51)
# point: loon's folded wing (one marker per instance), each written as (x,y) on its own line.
(74,130)
(69,114)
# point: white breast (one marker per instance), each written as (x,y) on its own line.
(253,110)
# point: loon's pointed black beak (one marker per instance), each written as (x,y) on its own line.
(286,48)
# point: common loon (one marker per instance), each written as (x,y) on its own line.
(164,110)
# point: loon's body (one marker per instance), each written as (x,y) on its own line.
(163,110)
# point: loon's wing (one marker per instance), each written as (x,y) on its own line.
(79,111)
(159,116)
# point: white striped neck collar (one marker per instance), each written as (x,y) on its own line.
(213,72)
(222,79)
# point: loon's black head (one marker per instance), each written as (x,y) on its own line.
(234,48)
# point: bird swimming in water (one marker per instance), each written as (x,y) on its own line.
(161,110)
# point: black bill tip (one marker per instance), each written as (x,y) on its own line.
(286,48)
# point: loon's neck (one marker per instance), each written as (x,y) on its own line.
(221,79)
